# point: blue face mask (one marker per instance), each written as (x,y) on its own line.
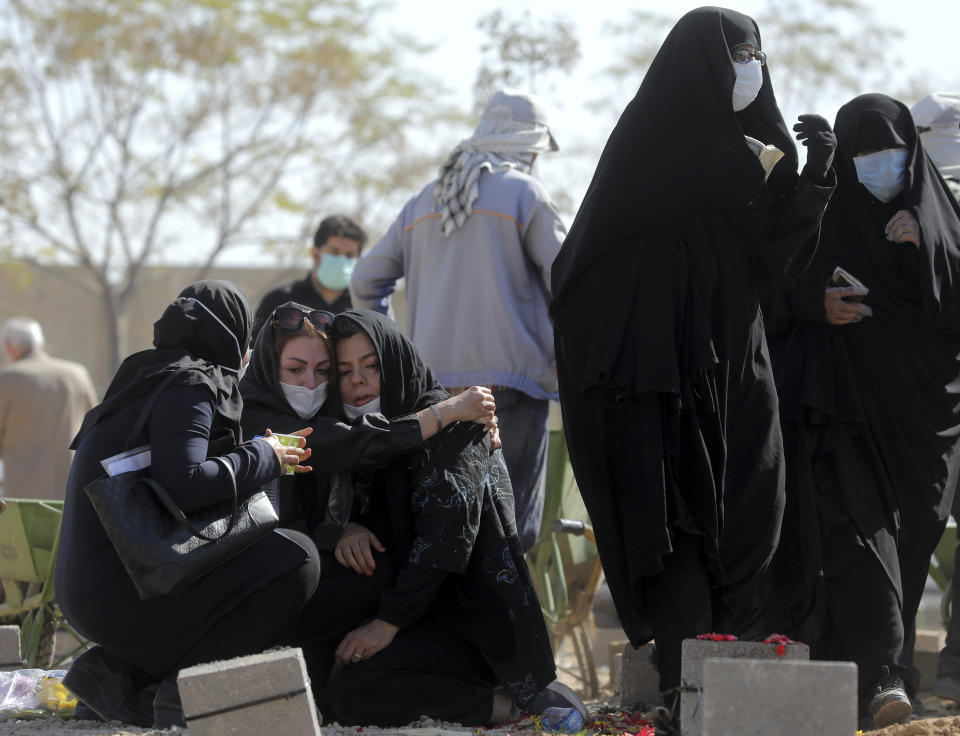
(882,173)
(334,272)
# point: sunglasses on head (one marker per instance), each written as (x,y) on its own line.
(291,318)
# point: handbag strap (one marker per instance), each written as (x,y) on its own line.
(144,414)
(177,513)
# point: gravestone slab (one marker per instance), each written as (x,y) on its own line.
(266,693)
(926,655)
(697,651)
(763,697)
(639,679)
(10,657)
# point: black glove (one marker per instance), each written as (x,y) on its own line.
(818,137)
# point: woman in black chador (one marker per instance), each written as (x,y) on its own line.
(249,603)
(668,400)
(457,633)
(868,372)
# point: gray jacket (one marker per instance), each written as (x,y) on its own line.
(476,300)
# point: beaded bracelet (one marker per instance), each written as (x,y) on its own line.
(436,415)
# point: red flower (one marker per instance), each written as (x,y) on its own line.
(717,637)
(781,649)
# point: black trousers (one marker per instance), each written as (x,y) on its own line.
(343,600)
(265,617)
(864,622)
(426,671)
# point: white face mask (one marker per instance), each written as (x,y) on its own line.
(304,401)
(371,407)
(748,84)
(882,173)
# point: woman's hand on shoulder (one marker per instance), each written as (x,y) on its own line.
(364,642)
(903,228)
(289,455)
(355,549)
(476,404)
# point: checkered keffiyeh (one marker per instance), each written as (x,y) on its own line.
(496,143)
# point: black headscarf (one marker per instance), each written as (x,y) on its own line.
(923,288)
(679,146)
(203,330)
(676,159)
(407,384)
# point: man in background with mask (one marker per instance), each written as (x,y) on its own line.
(337,245)
(476,246)
(937,117)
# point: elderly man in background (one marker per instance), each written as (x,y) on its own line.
(42,403)
(476,246)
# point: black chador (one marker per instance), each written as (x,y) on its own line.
(870,408)
(668,399)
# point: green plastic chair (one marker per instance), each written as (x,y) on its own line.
(29,535)
(565,565)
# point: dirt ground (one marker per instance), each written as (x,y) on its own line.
(942,719)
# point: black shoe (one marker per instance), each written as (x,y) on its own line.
(889,702)
(107,690)
(167,708)
(84,712)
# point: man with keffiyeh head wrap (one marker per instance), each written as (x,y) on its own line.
(480,239)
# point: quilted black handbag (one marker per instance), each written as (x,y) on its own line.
(161,547)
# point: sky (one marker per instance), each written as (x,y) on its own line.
(926,51)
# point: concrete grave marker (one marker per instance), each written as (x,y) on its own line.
(698,651)
(10,657)
(639,679)
(266,693)
(762,697)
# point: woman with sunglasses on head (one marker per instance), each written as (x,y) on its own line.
(247,604)
(695,210)
(867,367)
(288,390)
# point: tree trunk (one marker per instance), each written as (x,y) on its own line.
(115,320)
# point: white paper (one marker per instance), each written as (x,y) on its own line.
(136,459)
